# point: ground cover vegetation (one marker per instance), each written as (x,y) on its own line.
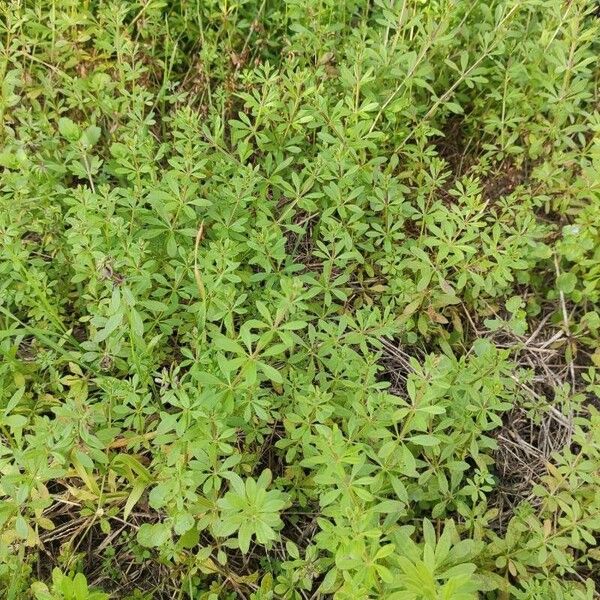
(299,299)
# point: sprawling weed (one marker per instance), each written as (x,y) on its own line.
(299,299)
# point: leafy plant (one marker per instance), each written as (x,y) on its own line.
(66,588)
(250,510)
(299,299)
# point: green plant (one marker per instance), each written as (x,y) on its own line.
(299,299)
(66,588)
(250,510)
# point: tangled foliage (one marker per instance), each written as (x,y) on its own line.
(299,299)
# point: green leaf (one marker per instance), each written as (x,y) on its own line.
(224,343)
(91,136)
(244,537)
(493,324)
(270,372)
(21,527)
(265,478)
(514,304)
(182,523)
(68,129)
(424,440)
(137,325)
(153,535)
(41,591)
(111,325)
(292,550)
(566,282)
(80,587)
(134,496)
